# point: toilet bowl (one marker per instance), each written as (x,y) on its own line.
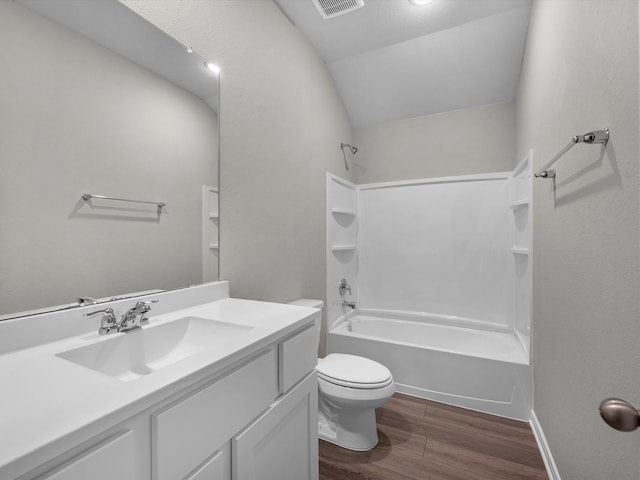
(350,388)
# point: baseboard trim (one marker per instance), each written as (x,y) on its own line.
(543,446)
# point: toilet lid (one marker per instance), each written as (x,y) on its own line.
(353,371)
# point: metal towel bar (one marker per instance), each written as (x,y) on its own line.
(595,137)
(89,196)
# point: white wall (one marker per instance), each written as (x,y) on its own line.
(77,118)
(470,141)
(440,247)
(580,73)
(281,126)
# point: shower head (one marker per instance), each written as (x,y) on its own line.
(353,149)
(353,152)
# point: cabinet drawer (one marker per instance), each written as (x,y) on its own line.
(298,357)
(114,458)
(186,433)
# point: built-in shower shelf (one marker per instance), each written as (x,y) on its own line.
(213,246)
(342,248)
(343,211)
(519,204)
(214,216)
(520,250)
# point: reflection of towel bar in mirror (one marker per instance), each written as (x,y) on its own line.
(592,138)
(89,196)
(124,127)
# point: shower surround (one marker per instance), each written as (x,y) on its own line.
(440,272)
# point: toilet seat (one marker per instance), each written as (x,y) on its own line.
(360,386)
(353,372)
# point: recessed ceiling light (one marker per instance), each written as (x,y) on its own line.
(212,66)
(419,3)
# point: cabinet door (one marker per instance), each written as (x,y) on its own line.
(187,432)
(282,444)
(218,467)
(110,460)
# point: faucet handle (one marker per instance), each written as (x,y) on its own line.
(135,316)
(146,304)
(144,309)
(108,321)
(104,310)
(343,287)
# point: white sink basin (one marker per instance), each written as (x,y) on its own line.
(131,355)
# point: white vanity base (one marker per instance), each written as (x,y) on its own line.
(244,410)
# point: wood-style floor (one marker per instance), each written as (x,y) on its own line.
(424,440)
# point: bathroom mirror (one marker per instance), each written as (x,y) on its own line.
(79,117)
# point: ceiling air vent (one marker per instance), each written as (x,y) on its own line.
(334,8)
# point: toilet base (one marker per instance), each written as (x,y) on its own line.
(353,429)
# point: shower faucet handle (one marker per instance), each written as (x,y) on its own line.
(343,287)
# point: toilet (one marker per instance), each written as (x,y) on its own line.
(350,388)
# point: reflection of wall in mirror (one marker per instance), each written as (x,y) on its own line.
(282,124)
(77,118)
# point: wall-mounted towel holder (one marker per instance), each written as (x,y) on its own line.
(596,137)
(89,196)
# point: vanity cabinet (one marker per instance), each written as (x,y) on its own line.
(218,467)
(257,420)
(282,444)
(111,459)
(188,432)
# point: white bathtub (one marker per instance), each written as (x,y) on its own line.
(482,370)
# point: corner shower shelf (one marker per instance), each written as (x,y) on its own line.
(342,248)
(213,246)
(519,204)
(214,216)
(343,211)
(520,250)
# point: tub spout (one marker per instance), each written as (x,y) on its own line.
(348,304)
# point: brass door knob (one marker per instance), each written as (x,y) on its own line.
(620,414)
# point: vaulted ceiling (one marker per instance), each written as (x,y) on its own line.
(392,60)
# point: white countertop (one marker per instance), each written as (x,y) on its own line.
(49,404)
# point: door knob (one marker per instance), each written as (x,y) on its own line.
(620,414)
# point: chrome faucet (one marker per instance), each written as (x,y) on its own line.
(135,317)
(108,322)
(344,287)
(348,304)
(132,319)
